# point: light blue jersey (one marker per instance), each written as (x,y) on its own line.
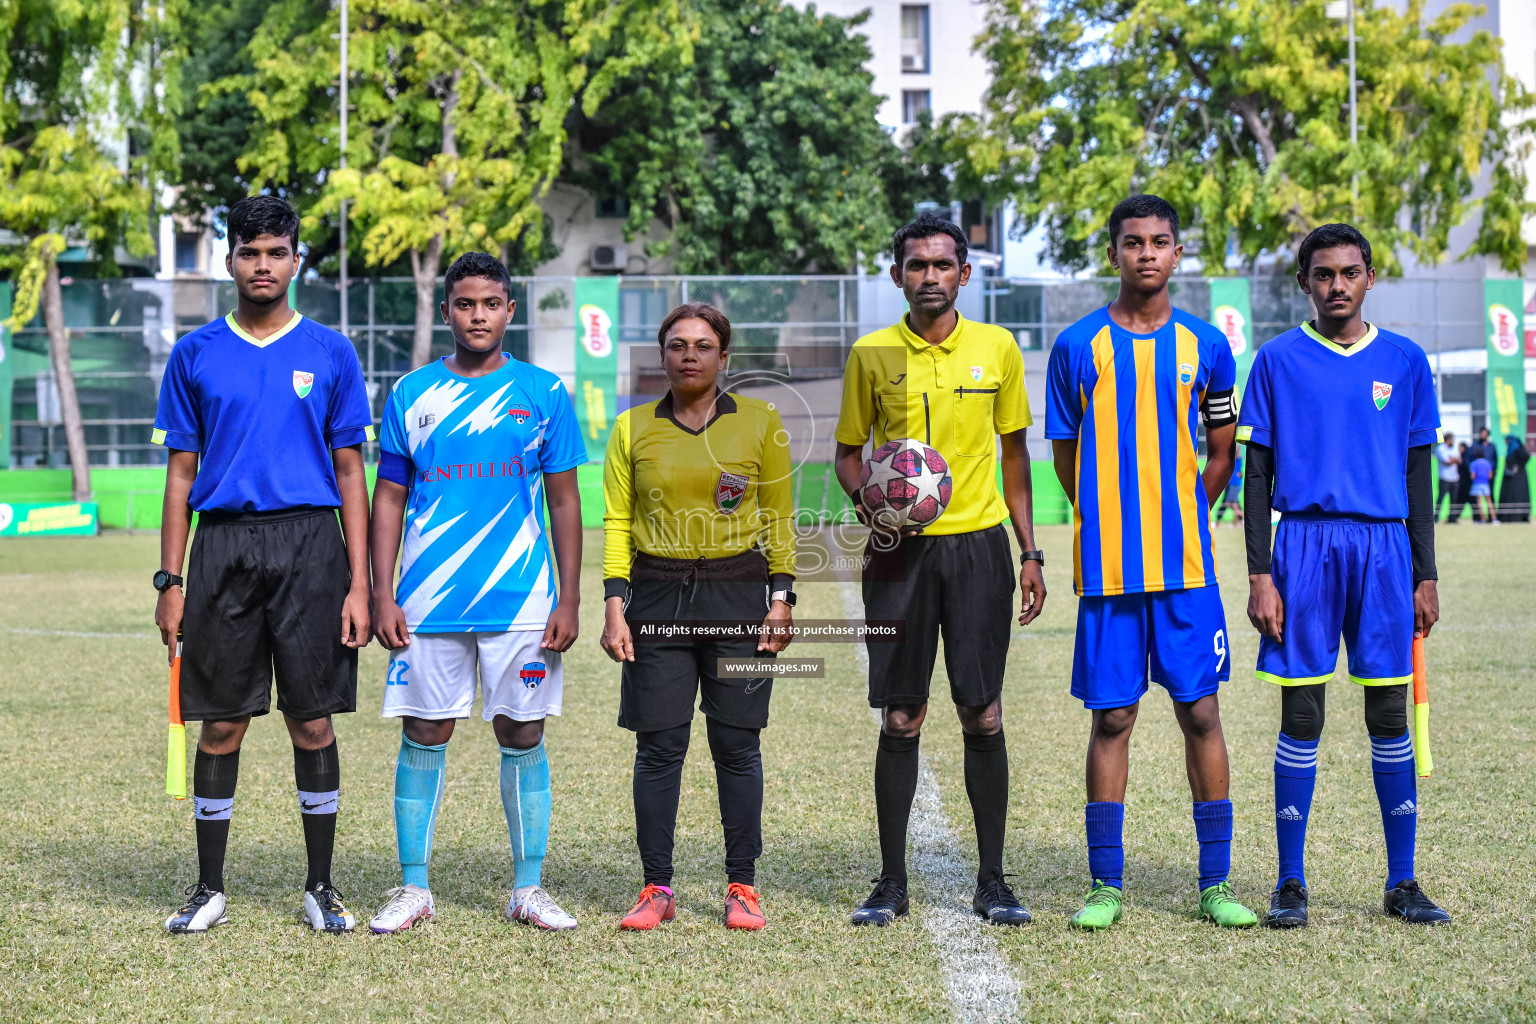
(473,451)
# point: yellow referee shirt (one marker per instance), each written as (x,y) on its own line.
(956,396)
(674,493)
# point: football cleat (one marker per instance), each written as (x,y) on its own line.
(1287,906)
(204,910)
(536,907)
(407,905)
(324,912)
(887,903)
(1101,909)
(996,902)
(743,908)
(654,906)
(1219,905)
(1407,901)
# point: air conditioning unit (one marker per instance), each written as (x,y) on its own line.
(909,62)
(608,257)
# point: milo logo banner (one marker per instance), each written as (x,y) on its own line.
(1231,312)
(597,360)
(1504,322)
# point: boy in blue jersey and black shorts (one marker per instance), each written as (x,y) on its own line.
(1339,420)
(264,414)
(474,446)
(1123,388)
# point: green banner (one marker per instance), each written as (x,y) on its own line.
(1231,312)
(29,519)
(597,360)
(1504,319)
(6,376)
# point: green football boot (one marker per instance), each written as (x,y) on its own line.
(1101,909)
(1218,904)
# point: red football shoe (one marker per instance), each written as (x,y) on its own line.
(742,910)
(654,906)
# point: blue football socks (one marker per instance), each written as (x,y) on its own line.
(1106,854)
(1295,779)
(1397,789)
(1213,830)
(419,777)
(525,798)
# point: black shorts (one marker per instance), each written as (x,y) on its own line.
(959,586)
(264,593)
(657,690)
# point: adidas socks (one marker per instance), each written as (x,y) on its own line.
(1105,823)
(1213,830)
(895,788)
(986,784)
(525,799)
(317,774)
(1392,769)
(420,774)
(1295,778)
(213,803)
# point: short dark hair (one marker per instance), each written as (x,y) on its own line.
(1331,236)
(718,321)
(1138,206)
(927,225)
(477,264)
(255,216)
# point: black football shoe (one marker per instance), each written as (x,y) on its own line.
(996,902)
(887,903)
(1287,906)
(1407,901)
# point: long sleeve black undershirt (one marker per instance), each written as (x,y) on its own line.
(1259,486)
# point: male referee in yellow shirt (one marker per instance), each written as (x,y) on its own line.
(959,387)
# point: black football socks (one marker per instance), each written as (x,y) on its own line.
(213,803)
(986,783)
(318,776)
(895,786)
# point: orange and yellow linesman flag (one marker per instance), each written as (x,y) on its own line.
(176,745)
(1421,756)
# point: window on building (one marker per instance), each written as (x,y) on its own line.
(914,39)
(187,246)
(613,206)
(913,103)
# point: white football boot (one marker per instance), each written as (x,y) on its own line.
(324,912)
(407,905)
(535,906)
(203,911)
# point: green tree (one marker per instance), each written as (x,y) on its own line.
(760,156)
(1237,113)
(86,91)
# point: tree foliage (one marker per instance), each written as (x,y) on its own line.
(1237,112)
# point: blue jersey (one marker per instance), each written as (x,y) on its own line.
(1340,420)
(1141,520)
(264,414)
(473,451)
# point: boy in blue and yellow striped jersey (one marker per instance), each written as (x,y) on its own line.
(1122,390)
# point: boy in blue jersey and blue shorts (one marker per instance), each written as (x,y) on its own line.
(1339,419)
(264,414)
(473,447)
(1123,388)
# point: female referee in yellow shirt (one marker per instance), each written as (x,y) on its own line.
(697,536)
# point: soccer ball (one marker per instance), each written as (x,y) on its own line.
(905,483)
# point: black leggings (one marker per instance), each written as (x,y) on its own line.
(658,781)
(1301,711)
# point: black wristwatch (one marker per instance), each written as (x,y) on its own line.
(165,580)
(1033,556)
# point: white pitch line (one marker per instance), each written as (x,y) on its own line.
(977,980)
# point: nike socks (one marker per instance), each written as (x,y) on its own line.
(895,786)
(525,798)
(1397,791)
(317,774)
(213,802)
(1105,824)
(658,779)
(1295,778)
(986,783)
(420,774)
(1213,830)
(738,758)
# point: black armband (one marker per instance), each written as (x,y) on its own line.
(1258,488)
(1421,513)
(1218,409)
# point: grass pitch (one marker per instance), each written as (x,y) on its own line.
(93,855)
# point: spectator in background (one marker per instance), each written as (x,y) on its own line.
(1514,485)
(1486,449)
(1450,476)
(1463,482)
(1482,488)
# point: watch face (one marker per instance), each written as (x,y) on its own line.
(162,579)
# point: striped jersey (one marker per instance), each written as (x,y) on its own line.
(1141,520)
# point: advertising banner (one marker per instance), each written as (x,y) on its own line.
(5,376)
(1504,320)
(30,519)
(1232,313)
(597,360)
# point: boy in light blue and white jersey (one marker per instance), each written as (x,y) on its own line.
(472,448)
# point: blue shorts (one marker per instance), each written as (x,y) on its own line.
(1481,491)
(1341,577)
(1175,638)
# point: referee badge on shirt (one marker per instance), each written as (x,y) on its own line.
(1380,393)
(302,382)
(976,374)
(729,491)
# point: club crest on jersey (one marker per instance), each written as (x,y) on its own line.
(519,414)
(1380,393)
(532,674)
(729,491)
(976,374)
(1186,372)
(302,382)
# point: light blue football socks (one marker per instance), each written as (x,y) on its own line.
(420,774)
(525,798)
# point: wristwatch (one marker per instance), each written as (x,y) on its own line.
(165,580)
(1033,556)
(787,596)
